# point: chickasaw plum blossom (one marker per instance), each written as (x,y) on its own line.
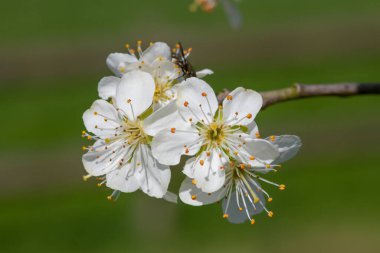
(243,197)
(121,156)
(155,60)
(214,134)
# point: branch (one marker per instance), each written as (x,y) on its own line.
(298,91)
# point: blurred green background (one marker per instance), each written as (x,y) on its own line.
(52,54)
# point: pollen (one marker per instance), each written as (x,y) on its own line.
(194,182)
(193,197)
(229,97)
(272,138)
(127,45)
(270,214)
(109,197)
(253,222)
(251,158)
(270,199)
(225,216)
(89,137)
(249,116)
(257,134)
(202,162)
(281,187)
(172,130)
(240,209)
(267,166)
(107,140)
(204,94)
(186,104)
(84,148)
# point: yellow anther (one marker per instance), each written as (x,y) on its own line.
(240,209)
(95,113)
(172,130)
(257,134)
(84,148)
(249,116)
(253,221)
(139,42)
(129,101)
(272,138)
(251,158)
(267,166)
(232,164)
(190,119)
(99,184)
(186,104)
(225,216)
(281,187)
(86,177)
(193,197)
(132,51)
(229,97)
(127,46)
(236,153)
(194,182)
(89,137)
(177,45)
(109,197)
(186,151)
(270,214)
(242,166)
(202,162)
(270,199)
(208,153)
(204,94)
(83,132)
(107,140)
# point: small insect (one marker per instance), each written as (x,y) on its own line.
(233,14)
(180,57)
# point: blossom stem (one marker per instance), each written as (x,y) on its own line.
(298,91)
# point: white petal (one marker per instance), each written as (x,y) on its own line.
(192,195)
(288,146)
(97,161)
(164,118)
(107,87)
(263,151)
(241,106)
(253,129)
(119,179)
(153,177)
(192,104)
(135,93)
(233,211)
(171,197)
(102,119)
(114,60)
(168,145)
(204,72)
(158,49)
(207,171)
(165,70)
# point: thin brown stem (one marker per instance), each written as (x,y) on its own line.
(298,91)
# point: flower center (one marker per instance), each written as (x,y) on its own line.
(160,92)
(215,133)
(134,132)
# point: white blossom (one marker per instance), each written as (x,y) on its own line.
(121,156)
(243,197)
(214,134)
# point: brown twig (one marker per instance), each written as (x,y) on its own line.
(298,91)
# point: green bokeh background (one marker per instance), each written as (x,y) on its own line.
(52,54)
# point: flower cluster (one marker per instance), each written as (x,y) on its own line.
(155,110)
